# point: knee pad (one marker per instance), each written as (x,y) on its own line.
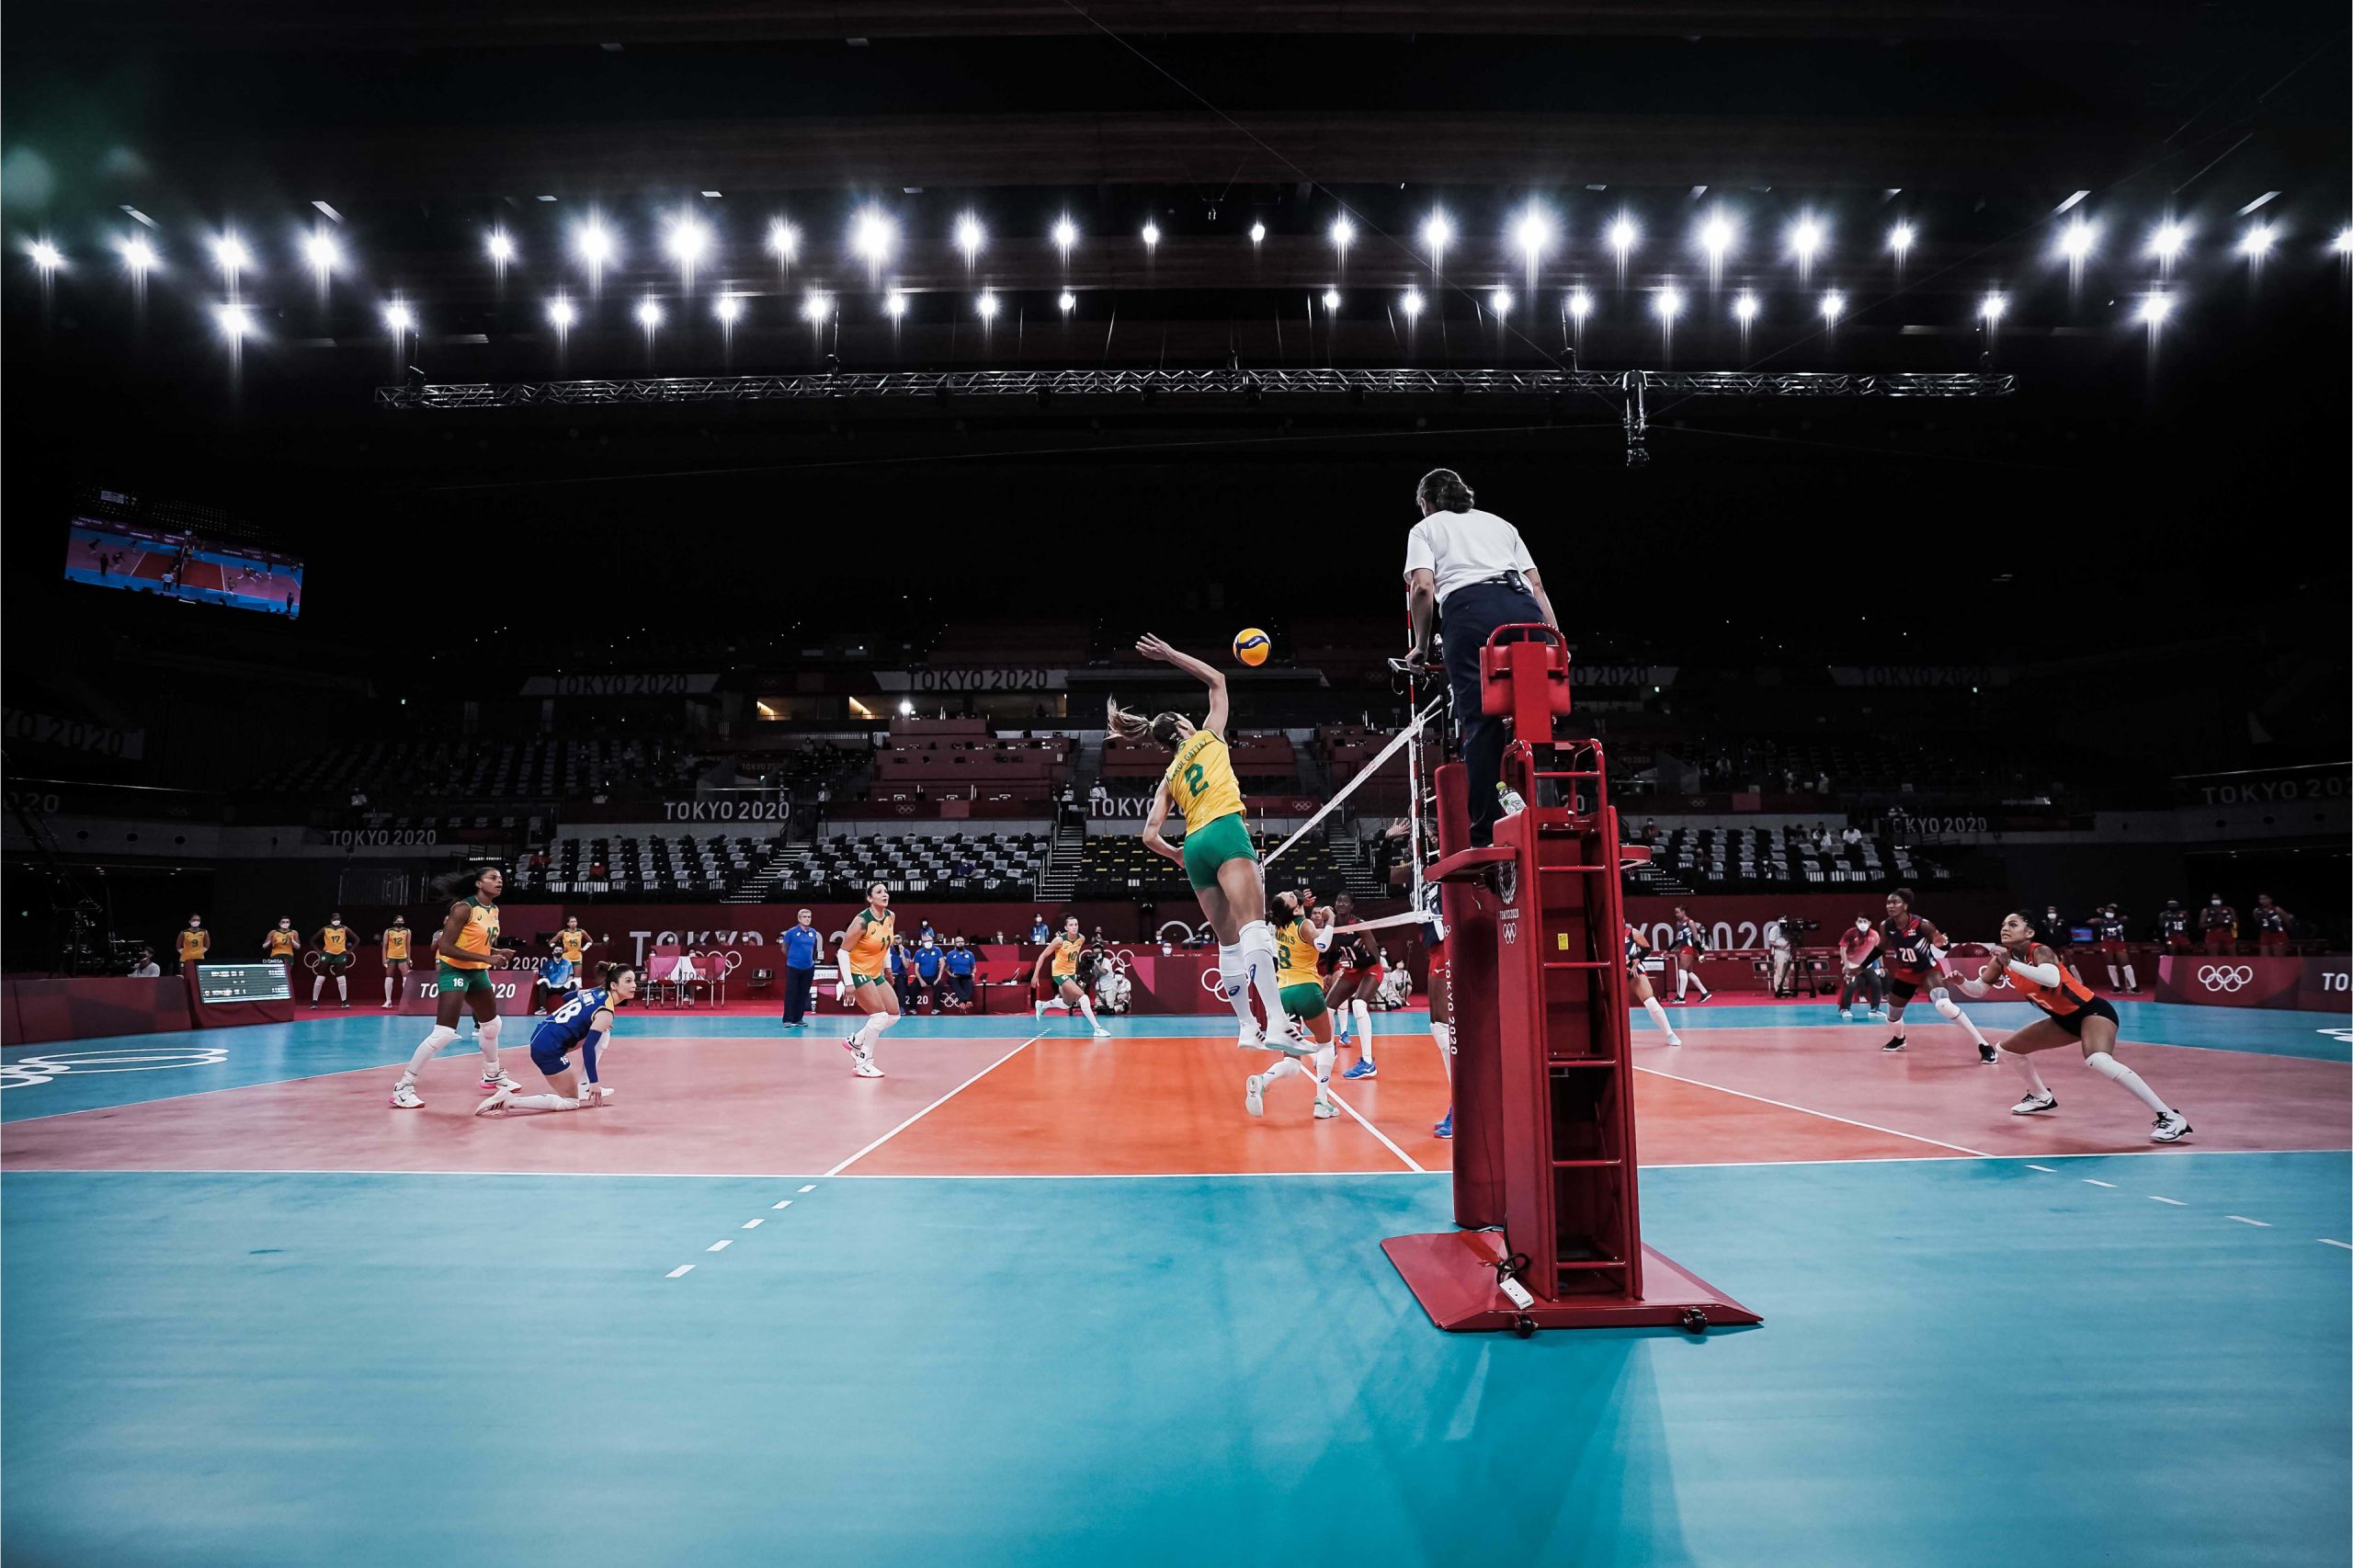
(486,1032)
(1943,999)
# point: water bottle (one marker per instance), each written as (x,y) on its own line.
(1508,798)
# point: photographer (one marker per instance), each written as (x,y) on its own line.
(1858,967)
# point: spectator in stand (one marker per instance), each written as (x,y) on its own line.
(961,962)
(2220,924)
(1650,830)
(1098,800)
(1858,967)
(1039,933)
(2173,926)
(802,947)
(193,941)
(1821,840)
(2270,927)
(1852,837)
(1472,571)
(146,968)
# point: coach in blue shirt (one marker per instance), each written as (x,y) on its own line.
(962,962)
(802,946)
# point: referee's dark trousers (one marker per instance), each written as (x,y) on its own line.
(798,984)
(1467,617)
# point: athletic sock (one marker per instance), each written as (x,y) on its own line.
(486,1037)
(388,990)
(543,1102)
(2114,979)
(1087,1008)
(2025,1066)
(1233,979)
(440,1035)
(1946,1006)
(1658,1016)
(1258,951)
(1444,1035)
(2115,1071)
(1280,1070)
(318,984)
(2132,981)
(1364,1028)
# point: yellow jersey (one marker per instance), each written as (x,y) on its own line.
(194,945)
(1200,780)
(571,943)
(1066,951)
(1295,954)
(870,942)
(396,944)
(284,944)
(333,939)
(477,937)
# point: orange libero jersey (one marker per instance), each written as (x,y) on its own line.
(477,937)
(2065,999)
(870,942)
(396,943)
(285,944)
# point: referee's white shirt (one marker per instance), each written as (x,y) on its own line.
(1462,548)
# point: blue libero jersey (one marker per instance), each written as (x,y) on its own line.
(568,1024)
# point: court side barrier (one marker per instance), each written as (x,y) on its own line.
(38,1011)
(2312,985)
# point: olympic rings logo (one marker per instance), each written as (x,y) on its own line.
(2225,978)
(28,1071)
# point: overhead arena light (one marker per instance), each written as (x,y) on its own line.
(1833,305)
(2344,246)
(2167,240)
(1992,308)
(2255,244)
(138,256)
(1331,301)
(1437,233)
(729,309)
(2155,307)
(1533,233)
(398,318)
(1257,233)
(1344,234)
(321,251)
(560,313)
(1500,302)
(2076,239)
(784,241)
(1151,234)
(1411,303)
(687,242)
(1715,238)
(1065,236)
(229,254)
(969,237)
(649,315)
(235,320)
(987,305)
(1623,236)
(894,304)
(816,307)
(1068,301)
(45,255)
(871,235)
(597,246)
(1806,238)
(1899,239)
(1744,308)
(501,248)
(1580,305)
(1667,304)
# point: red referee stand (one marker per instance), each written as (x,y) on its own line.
(1545,1178)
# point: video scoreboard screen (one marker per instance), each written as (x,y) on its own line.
(217,982)
(182,566)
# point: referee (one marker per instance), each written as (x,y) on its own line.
(1472,568)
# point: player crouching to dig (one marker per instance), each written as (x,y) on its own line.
(584,1024)
(1297,941)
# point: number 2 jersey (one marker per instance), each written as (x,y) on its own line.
(1200,780)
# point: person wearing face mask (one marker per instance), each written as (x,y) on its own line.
(2173,926)
(2220,924)
(1859,968)
(2108,926)
(333,942)
(2270,927)
(284,943)
(926,966)
(802,948)
(193,942)
(960,961)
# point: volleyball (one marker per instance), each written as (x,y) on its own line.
(1251,645)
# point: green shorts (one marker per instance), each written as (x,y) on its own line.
(335,961)
(454,982)
(1304,1003)
(1211,844)
(856,980)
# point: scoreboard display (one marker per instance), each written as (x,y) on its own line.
(230,983)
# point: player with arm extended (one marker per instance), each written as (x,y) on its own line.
(2072,1015)
(1063,953)
(1218,858)
(1912,951)
(584,1023)
(1298,938)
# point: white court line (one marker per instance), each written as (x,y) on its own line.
(683,1269)
(2174,1202)
(1809,1111)
(2262,1224)
(753,1223)
(935,1105)
(784,1202)
(720,1245)
(2326,1241)
(2093,1181)
(2046,1170)
(1410,1163)
(811,1187)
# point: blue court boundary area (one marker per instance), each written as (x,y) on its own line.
(1963,1363)
(269,1053)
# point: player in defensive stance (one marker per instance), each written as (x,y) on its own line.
(1348,983)
(1298,940)
(466,950)
(1912,951)
(863,955)
(1069,995)
(1218,858)
(584,1024)
(1638,984)
(2071,1014)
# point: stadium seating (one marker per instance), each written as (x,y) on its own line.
(1118,865)
(975,865)
(1726,857)
(1260,761)
(659,866)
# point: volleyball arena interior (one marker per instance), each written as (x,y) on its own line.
(1647,706)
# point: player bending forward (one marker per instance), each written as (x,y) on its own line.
(1298,940)
(1071,996)
(584,1023)
(2071,1014)
(1914,952)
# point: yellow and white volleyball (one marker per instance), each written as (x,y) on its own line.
(1251,645)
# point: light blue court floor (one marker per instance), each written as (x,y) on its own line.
(2135,1359)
